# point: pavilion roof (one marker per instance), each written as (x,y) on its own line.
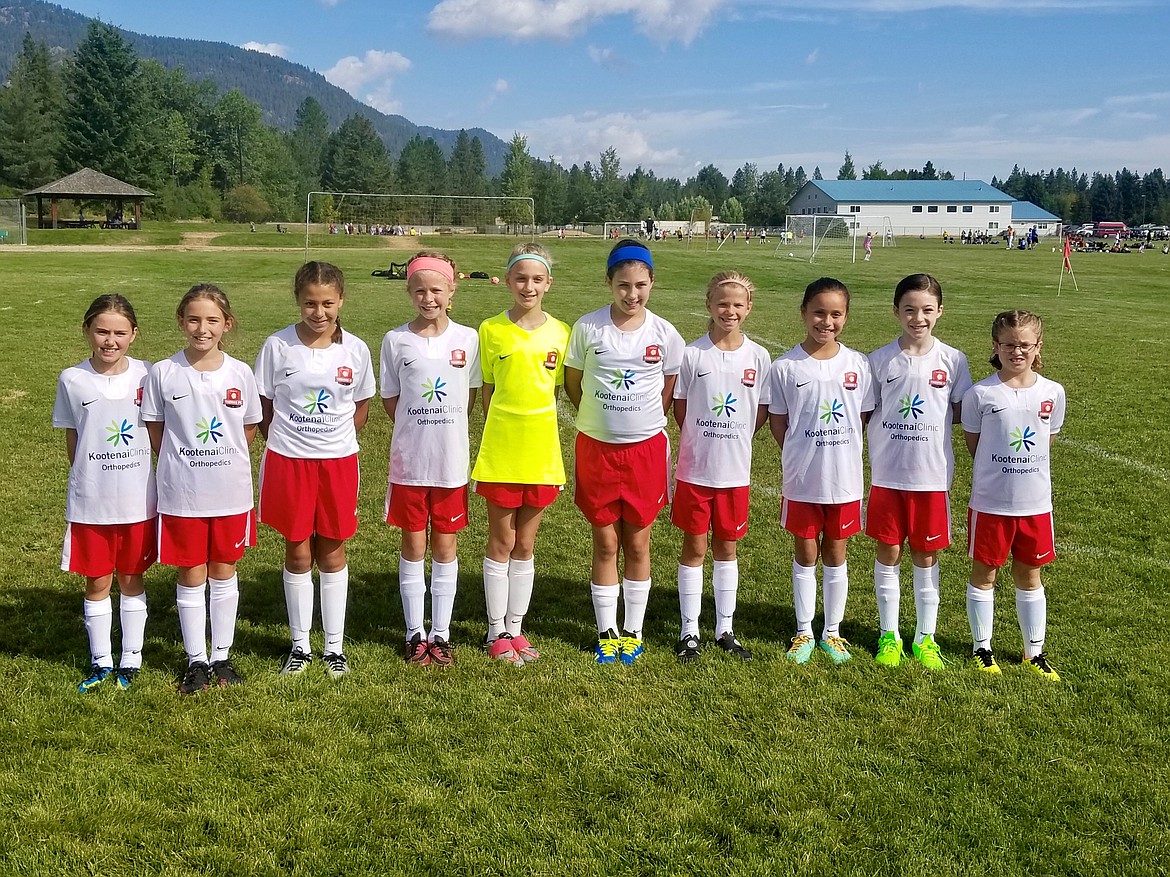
(88,183)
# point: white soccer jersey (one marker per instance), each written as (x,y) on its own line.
(910,431)
(1011,473)
(112,479)
(432,378)
(824,400)
(724,390)
(314,393)
(623,375)
(204,470)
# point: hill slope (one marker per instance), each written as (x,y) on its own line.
(278,86)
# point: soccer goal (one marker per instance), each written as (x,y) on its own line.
(13,227)
(630,228)
(728,231)
(813,236)
(355,219)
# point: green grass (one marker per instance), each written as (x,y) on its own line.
(565,768)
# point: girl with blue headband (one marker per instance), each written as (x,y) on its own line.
(620,373)
(519,470)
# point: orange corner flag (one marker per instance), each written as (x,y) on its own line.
(1067,250)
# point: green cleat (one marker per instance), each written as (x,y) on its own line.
(928,655)
(837,648)
(889,650)
(800,649)
(1040,666)
(984,661)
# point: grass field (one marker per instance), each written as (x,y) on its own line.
(564,768)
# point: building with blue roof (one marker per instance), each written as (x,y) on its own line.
(919,207)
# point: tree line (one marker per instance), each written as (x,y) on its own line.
(210,154)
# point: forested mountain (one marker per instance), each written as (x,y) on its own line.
(277,86)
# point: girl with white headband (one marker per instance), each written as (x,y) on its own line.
(519,470)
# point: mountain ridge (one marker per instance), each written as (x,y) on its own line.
(276,85)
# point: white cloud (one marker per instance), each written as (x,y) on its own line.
(329,4)
(800,7)
(499,87)
(811,57)
(277,49)
(1123,100)
(370,78)
(666,20)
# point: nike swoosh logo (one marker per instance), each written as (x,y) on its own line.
(457,517)
(241,542)
(407,363)
(1035,642)
(931,538)
(847,526)
(289,373)
(1042,556)
(890,380)
(805,384)
(177,398)
(87,404)
(600,351)
(997,410)
(741,526)
(504,355)
(703,374)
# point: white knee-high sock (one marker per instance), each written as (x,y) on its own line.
(887,588)
(521,575)
(637,595)
(192,606)
(225,603)
(412,587)
(690,598)
(298,598)
(334,596)
(495,595)
(444,582)
(980,615)
(804,597)
(605,602)
(132,617)
(99,625)
(1032,611)
(836,593)
(926,600)
(725,582)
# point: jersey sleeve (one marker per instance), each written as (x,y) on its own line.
(266,367)
(763,363)
(152,396)
(972,415)
(387,370)
(875,371)
(867,401)
(674,351)
(474,366)
(1056,419)
(62,410)
(486,354)
(686,373)
(253,413)
(962,377)
(578,346)
(366,387)
(777,404)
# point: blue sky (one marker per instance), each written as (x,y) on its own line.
(973,85)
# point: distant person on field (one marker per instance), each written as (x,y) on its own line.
(868,245)
(1010,421)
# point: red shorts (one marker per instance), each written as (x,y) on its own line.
(1031,540)
(410,507)
(96,550)
(187,542)
(807,520)
(697,509)
(512,496)
(622,482)
(921,516)
(301,497)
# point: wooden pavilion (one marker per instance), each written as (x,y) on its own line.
(89,185)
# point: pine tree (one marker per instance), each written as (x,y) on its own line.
(516,181)
(307,142)
(355,159)
(847,170)
(30,112)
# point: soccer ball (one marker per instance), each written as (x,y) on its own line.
(792,255)
(495,281)
(462,276)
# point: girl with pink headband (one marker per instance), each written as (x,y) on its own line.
(519,470)
(315,383)
(429,374)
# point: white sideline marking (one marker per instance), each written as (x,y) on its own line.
(1119,557)
(1151,341)
(1145,468)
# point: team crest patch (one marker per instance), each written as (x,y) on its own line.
(653,354)
(233,398)
(1046,409)
(850,380)
(458,358)
(938,378)
(551,359)
(344,375)
(138,397)
(749,377)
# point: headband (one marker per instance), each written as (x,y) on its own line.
(541,259)
(430,263)
(629,253)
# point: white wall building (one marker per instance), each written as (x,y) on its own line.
(915,207)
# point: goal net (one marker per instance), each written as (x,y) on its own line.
(629,228)
(724,232)
(12,222)
(356,219)
(813,236)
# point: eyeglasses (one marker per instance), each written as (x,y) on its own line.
(1023,348)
